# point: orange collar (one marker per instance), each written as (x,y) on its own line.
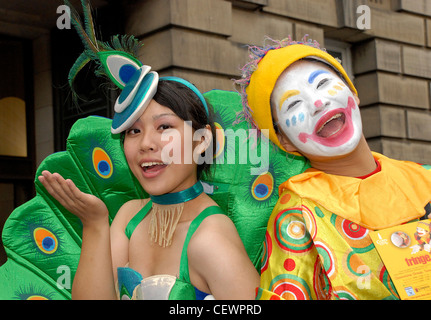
(395,195)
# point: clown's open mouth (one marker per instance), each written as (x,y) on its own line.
(331,126)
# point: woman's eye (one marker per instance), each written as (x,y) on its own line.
(322,82)
(132,131)
(164,126)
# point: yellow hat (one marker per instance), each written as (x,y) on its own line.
(264,78)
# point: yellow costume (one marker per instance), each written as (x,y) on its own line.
(317,242)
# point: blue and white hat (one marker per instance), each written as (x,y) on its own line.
(139,86)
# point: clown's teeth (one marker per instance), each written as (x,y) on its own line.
(338,115)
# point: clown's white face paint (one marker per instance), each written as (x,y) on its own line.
(316,111)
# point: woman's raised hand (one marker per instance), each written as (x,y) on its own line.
(87,207)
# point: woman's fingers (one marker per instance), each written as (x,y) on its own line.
(58,188)
(87,207)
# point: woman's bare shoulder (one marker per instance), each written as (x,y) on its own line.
(128,210)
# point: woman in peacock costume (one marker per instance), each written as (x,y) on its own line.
(43,240)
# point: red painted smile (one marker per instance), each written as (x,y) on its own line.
(334,128)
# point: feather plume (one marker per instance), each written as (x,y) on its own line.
(89,23)
(126,43)
(86,31)
(85,38)
(80,63)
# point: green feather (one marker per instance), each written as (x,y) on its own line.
(76,21)
(88,22)
(126,43)
(80,63)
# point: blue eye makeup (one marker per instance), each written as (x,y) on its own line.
(315,74)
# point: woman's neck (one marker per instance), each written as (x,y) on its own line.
(356,164)
(185,195)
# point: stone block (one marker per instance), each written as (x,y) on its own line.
(392,89)
(383,121)
(206,15)
(157,51)
(249,4)
(143,17)
(422,7)
(314,32)
(419,125)
(371,122)
(419,152)
(416,61)
(192,50)
(385,24)
(428,32)
(251,27)
(323,12)
(379,4)
(203,81)
(376,55)
(375,145)
(367,87)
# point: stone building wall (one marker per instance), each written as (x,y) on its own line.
(205,42)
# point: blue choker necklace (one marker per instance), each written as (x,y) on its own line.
(179,197)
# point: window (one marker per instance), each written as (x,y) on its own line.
(341,50)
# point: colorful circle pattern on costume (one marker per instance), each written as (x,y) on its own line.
(290,231)
(267,250)
(329,261)
(321,283)
(344,294)
(262,186)
(387,281)
(310,221)
(45,240)
(354,266)
(102,163)
(290,287)
(355,235)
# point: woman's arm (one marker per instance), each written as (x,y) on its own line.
(218,257)
(94,277)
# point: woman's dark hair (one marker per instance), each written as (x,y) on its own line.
(187,106)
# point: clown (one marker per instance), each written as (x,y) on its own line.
(422,236)
(317,242)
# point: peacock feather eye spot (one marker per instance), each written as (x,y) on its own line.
(104,167)
(262,187)
(102,163)
(45,240)
(220,140)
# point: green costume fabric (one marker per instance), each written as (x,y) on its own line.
(43,240)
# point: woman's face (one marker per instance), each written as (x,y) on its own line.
(158,150)
(316,111)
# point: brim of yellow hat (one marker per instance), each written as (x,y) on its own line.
(269,69)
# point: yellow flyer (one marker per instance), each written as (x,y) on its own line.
(405,251)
